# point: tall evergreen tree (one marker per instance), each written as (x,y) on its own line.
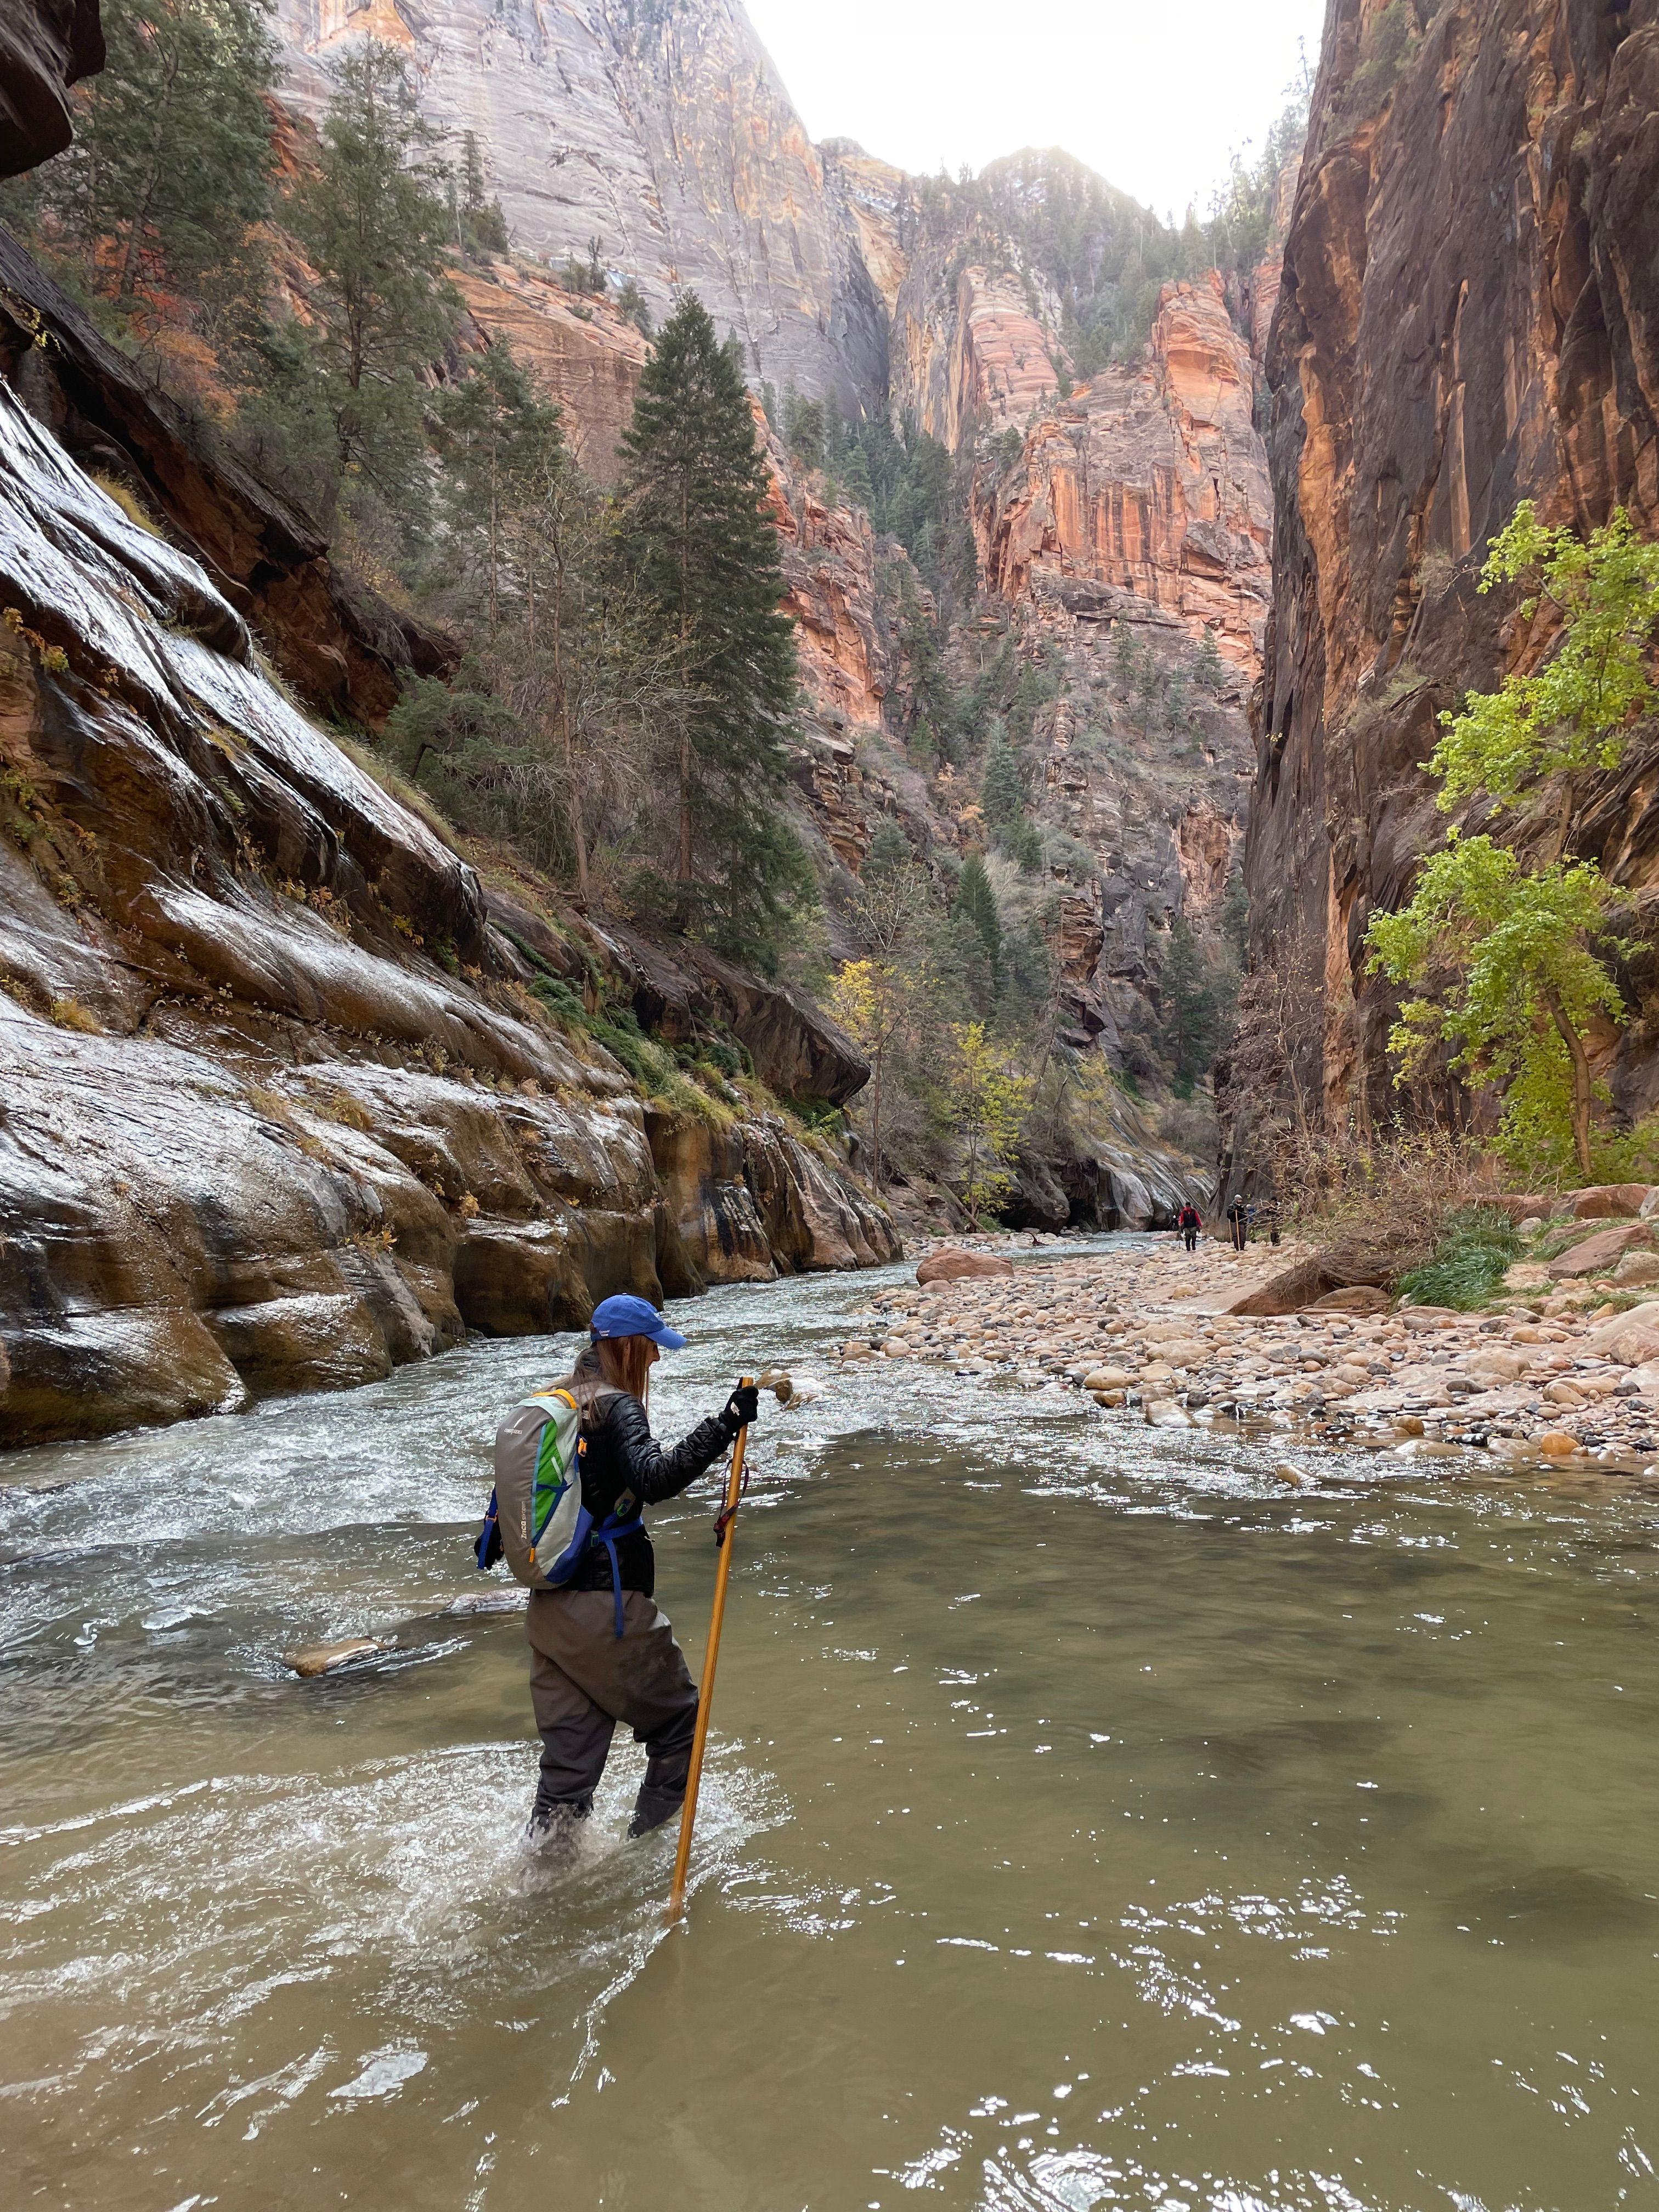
(694,532)
(172,163)
(977,902)
(504,441)
(374,224)
(1193,1012)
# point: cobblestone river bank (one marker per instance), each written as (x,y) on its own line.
(1559,1373)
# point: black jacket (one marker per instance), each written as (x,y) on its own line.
(624,1461)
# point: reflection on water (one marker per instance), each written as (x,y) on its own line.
(1090,1824)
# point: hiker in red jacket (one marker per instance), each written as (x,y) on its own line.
(1189,1221)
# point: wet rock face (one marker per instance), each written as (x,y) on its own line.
(45,47)
(278,1112)
(1469,315)
(335,643)
(665,134)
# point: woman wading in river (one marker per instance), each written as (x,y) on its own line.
(601,1652)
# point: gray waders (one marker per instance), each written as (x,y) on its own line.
(584,1678)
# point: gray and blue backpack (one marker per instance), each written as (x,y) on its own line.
(535,1519)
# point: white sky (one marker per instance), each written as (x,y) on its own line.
(1153,96)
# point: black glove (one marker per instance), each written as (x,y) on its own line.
(742,1407)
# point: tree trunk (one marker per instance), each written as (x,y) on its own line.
(1583,1094)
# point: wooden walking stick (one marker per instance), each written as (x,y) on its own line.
(723,1537)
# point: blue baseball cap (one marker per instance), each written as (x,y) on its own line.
(630,1316)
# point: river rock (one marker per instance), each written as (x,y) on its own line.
(1524,1205)
(1356,1298)
(1610,1201)
(328,1658)
(1631,1338)
(1637,1267)
(1598,1253)
(955,1264)
(1556,1444)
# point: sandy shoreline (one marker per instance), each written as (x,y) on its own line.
(1560,1375)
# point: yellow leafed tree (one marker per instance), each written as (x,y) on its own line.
(988,1102)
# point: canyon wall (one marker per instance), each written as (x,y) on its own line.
(660,136)
(289,1096)
(1468,316)
(1150,482)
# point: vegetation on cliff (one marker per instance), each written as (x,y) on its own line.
(1513,954)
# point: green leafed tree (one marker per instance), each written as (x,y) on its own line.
(1573,711)
(172,164)
(1507,960)
(1508,975)
(694,534)
(988,1099)
(373,221)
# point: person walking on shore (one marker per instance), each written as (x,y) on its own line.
(1189,1221)
(601,1653)
(1238,1221)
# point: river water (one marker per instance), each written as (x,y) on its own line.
(1091,1822)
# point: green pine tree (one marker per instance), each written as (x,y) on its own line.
(1193,1012)
(503,440)
(172,164)
(695,533)
(374,225)
(481,226)
(1003,788)
(977,901)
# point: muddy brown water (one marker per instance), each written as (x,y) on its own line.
(1091,1823)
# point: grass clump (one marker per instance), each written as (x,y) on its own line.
(1477,1244)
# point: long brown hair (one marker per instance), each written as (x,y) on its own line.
(615,1362)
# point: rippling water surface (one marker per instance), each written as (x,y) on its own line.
(1092,1823)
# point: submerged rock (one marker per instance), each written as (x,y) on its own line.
(314,1659)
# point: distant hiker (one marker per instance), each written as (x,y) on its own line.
(1266,1216)
(1238,1221)
(1189,1221)
(601,1652)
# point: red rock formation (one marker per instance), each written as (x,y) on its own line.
(830,555)
(45,47)
(1150,479)
(980,360)
(587,355)
(1469,315)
